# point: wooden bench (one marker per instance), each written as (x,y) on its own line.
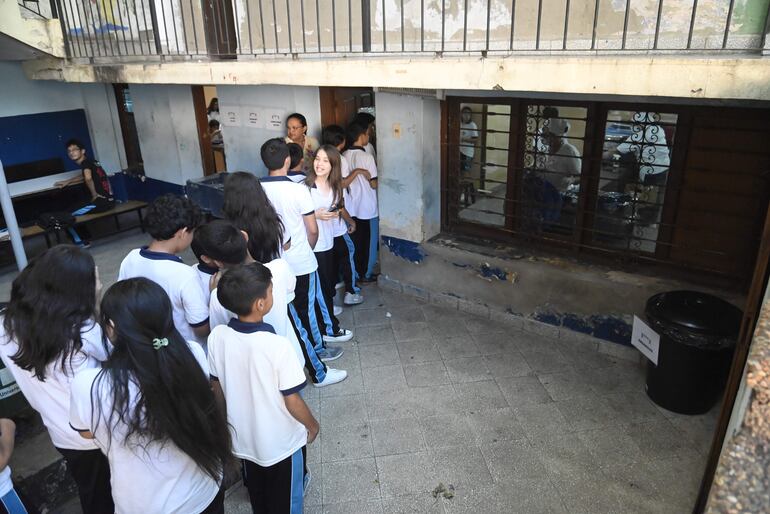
(114,213)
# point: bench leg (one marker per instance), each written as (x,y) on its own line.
(117,222)
(141,220)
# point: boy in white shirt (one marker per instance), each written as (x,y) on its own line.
(170,221)
(257,379)
(297,156)
(363,202)
(206,268)
(296,209)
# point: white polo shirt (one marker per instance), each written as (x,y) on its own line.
(296,176)
(51,399)
(146,476)
(256,369)
(204,273)
(325,227)
(180,281)
(292,201)
(284,283)
(363,199)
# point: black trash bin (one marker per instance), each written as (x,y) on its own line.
(697,339)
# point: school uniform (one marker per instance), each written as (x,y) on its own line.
(147,476)
(296,176)
(284,282)
(343,248)
(292,202)
(51,399)
(362,206)
(181,283)
(324,254)
(256,369)
(204,273)
(10,503)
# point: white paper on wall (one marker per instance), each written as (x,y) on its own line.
(229,116)
(254,117)
(274,119)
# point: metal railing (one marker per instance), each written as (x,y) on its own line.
(45,9)
(235,28)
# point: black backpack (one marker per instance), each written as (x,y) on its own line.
(55,220)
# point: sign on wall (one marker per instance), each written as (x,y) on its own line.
(254,117)
(646,340)
(230,116)
(274,119)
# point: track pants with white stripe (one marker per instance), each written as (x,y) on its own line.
(302,313)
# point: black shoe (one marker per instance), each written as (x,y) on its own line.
(367,280)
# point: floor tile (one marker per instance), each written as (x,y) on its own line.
(427,374)
(587,413)
(510,461)
(478,325)
(566,385)
(389,404)
(462,466)
(471,369)
(418,351)
(546,361)
(346,442)
(477,396)
(314,495)
(633,407)
(519,497)
(457,347)
(508,364)
(395,436)
(658,439)
(406,314)
(370,317)
(491,426)
(352,385)
(541,420)
(374,335)
(433,401)
(492,343)
(376,355)
(342,410)
(412,504)
(523,390)
(611,444)
(443,431)
(411,331)
(356,507)
(406,474)
(449,327)
(350,481)
(384,378)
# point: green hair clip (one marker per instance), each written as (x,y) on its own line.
(159,343)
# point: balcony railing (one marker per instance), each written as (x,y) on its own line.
(222,29)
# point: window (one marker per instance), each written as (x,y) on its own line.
(645,184)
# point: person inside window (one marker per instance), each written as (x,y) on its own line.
(562,162)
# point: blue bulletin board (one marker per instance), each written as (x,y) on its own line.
(39,137)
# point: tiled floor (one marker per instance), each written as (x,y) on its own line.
(506,421)
(509,421)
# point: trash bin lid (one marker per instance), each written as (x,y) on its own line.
(696,312)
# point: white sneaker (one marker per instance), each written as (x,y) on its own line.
(337,310)
(333,376)
(343,335)
(339,285)
(353,299)
(306,482)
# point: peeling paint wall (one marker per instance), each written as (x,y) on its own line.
(19,95)
(242,143)
(168,136)
(408,132)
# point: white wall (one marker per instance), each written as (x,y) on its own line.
(409,165)
(19,96)
(168,135)
(242,143)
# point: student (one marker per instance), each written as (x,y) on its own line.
(49,333)
(344,250)
(367,120)
(151,409)
(97,183)
(202,246)
(249,208)
(296,172)
(254,371)
(294,205)
(10,503)
(215,132)
(229,250)
(325,184)
(363,202)
(296,132)
(171,220)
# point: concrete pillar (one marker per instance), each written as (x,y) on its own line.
(409,160)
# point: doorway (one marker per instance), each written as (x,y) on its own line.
(340,104)
(206,106)
(135,165)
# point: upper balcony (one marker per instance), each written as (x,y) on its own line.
(131,31)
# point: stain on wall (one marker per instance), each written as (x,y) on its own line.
(610,328)
(407,250)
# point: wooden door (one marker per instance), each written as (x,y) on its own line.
(219,23)
(202,124)
(128,129)
(340,104)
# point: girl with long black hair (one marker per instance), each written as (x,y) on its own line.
(49,333)
(151,409)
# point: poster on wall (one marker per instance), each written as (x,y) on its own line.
(274,119)
(229,116)
(254,117)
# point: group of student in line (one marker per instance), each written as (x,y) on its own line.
(180,373)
